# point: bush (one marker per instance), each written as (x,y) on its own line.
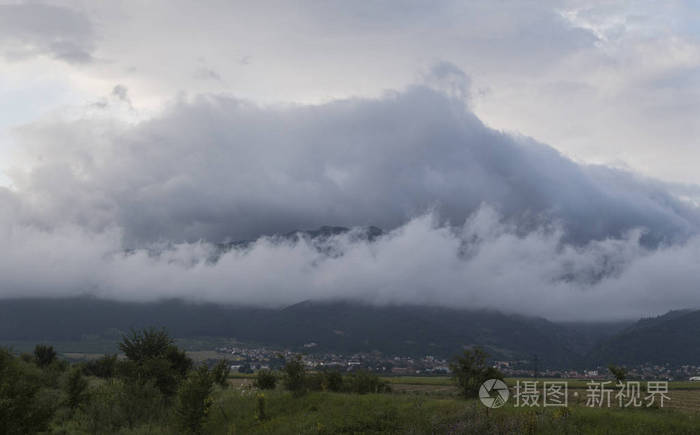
(104,367)
(333,381)
(152,357)
(364,382)
(266,380)
(44,355)
(142,402)
(193,400)
(470,371)
(23,406)
(220,373)
(106,411)
(75,388)
(115,405)
(315,382)
(295,376)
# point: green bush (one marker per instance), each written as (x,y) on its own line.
(194,400)
(295,376)
(44,355)
(24,406)
(152,357)
(107,410)
(75,388)
(104,367)
(364,382)
(220,373)
(333,381)
(470,371)
(315,382)
(265,379)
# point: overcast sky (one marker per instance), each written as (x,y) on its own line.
(537,157)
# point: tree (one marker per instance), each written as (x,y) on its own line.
(471,370)
(194,401)
(104,367)
(76,388)
(619,372)
(295,376)
(333,381)
(44,355)
(24,406)
(145,344)
(220,372)
(152,357)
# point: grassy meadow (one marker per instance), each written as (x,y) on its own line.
(423,405)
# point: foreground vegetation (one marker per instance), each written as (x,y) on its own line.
(157,389)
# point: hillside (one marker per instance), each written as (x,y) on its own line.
(336,327)
(673,338)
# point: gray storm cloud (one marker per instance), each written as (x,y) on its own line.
(474,217)
(33,29)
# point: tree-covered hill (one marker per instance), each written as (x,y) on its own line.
(340,327)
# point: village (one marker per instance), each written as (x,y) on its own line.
(249,359)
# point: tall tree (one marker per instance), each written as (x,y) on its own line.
(471,370)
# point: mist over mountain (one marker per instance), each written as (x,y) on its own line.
(194,203)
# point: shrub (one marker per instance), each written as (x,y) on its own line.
(193,400)
(152,357)
(333,381)
(44,355)
(142,402)
(23,407)
(220,373)
(75,388)
(104,367)
(266,379)
(105,411)
(364,382)
(295,376)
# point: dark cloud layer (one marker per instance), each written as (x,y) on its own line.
(219,168)
(31,29)
(476,217)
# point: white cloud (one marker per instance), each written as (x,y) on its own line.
(483,264)
(131,211)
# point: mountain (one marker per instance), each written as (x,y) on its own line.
(673,338)
(339,327)
(317,236)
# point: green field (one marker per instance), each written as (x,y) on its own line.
(420,405)
(684,395)
(330,413)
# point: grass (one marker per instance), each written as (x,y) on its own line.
(419,380)
(235,411)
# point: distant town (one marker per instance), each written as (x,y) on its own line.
(249,359)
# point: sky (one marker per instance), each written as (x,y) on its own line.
(536,157)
